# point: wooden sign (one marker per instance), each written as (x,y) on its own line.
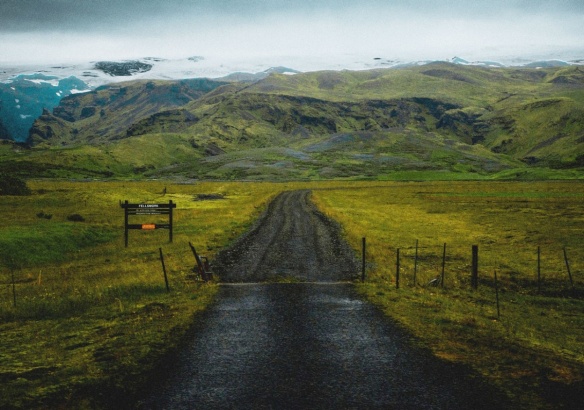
(147,209)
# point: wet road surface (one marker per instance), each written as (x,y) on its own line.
(309,346)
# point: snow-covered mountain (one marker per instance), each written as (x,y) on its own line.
(26,90)
(23,98)
(99,73)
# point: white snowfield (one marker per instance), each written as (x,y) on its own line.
(221,66)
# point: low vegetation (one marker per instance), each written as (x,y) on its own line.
(531,344)
(10,185)
(84,320)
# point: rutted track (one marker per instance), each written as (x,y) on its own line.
(305,345)
(292,239)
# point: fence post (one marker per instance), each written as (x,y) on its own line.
(397,271)
(474,280)
(497,294)
(538,269)
(364,247)
(170,221)
(443,266)
(164,270)
(569,271)
(13,287)
(126,223)
(416,263)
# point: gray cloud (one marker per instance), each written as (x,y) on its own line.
(67,29)
(39,15)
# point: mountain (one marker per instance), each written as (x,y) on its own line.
(98,73)
(26,90)
(23,98)
(466,119)
(109,111)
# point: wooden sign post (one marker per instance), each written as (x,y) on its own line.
(147,209)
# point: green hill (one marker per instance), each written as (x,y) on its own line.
(436,118)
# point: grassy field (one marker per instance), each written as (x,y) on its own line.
(533,347)
(92,318)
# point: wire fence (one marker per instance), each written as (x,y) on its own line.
(549,270)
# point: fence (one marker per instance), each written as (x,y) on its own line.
(546,270)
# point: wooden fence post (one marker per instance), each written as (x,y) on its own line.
(13,287)
(164,270)
(416,263)
(538,269)
(497,294)
(126,223)
(443,266)
(569,271)
(364,248)
(170,219)
(397,271)
(474,279)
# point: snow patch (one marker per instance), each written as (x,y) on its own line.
(54,83)
(24,117)
(76,91)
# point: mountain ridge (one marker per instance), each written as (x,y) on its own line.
(436,117)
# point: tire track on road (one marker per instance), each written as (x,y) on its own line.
(291,240)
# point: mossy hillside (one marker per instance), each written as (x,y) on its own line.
(527,115)
(109,111)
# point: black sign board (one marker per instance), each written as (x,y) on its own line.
(147,209)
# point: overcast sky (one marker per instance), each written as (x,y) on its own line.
(59,31)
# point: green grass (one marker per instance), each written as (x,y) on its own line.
(533,350)
(92,319)
(48,242)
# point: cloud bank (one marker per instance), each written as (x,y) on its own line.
(60,31)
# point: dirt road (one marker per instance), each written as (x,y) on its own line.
(314,345)
(291,240)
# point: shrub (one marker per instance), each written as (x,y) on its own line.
(75,218)
(43,215)
(10,185)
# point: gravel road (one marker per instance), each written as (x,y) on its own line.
(309,345)
(291,240)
